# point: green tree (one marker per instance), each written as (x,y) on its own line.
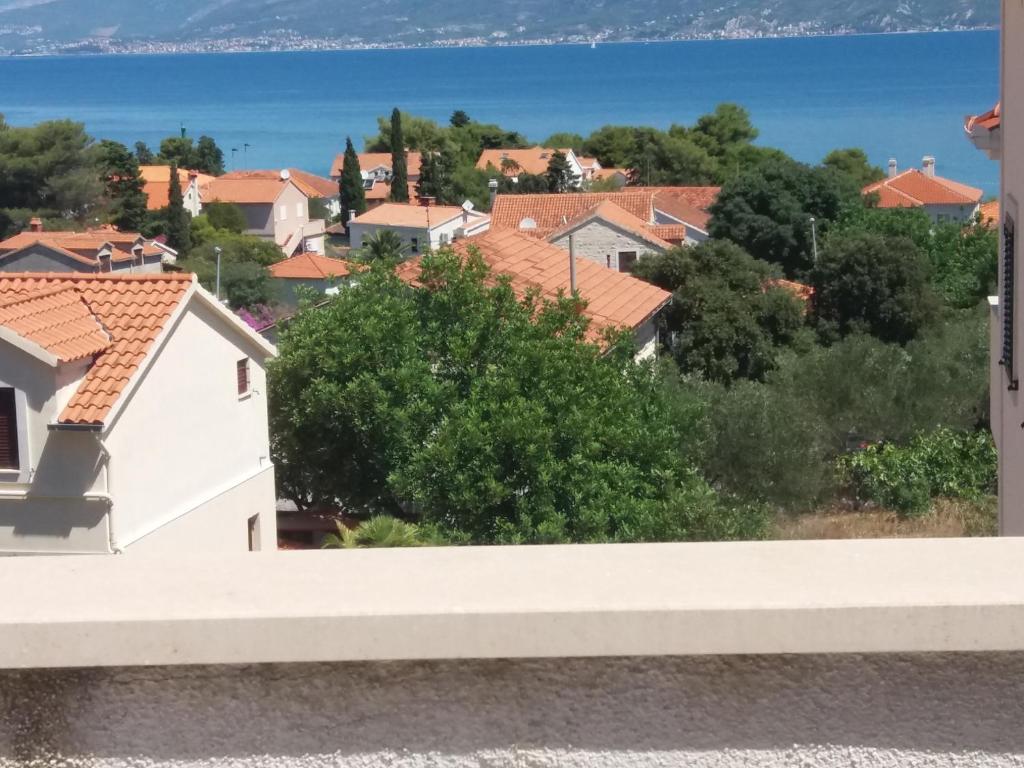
(179,222)
(565,140)
(350,186)
(660,159)
(612,145)
(854,164)
(225,216)
(385,245)
(872,284)
(768,210)
(177,150)
(437,173)
(464,403)
(459,119)
(722,131)
(399,169)
(208,157)
(726,320)
(144,154)
(559,175)
(123,179)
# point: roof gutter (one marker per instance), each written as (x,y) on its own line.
(67,427)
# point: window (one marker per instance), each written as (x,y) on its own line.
(445,239)
(415,243)
(254,533)
(9,458)
(367,184)
(626,261)
(298,210)
(242,376)
(1007,301)
(283,211)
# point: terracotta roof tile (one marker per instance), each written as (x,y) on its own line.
(410,215)
(58,320)
(131,309)
(310,266)
(913,188)
(244,191)
(533,160)
(83,246)
(990,214)
(309,184)
(370,160)
(612,213)
(701,198)
(551,212)
(614,299)
(987,121)
(157,183)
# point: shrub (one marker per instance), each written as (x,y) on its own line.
(944,463)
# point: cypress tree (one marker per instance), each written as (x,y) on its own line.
(179,223)
(399,169)
(350,186)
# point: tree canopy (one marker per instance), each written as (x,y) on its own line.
(350,186)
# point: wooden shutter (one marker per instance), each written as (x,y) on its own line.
(1007,302)
(8,430)
(242,374)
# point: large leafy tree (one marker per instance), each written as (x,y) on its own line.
(121,174)
(179,221)
(873,284)
(484,414)
(612,145)
(559,175)
(350,186)
(727,320)
(204,156)
(399,166)
(208,157)
(768,210)
(855,164)
(437,173)
(659,159)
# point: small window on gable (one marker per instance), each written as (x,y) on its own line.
(242,376)
(627,260)
(283,211)
(9,458)
(298,210)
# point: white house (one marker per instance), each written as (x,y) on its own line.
(275,209)
(419,226)
(314,187)
(944,200)
(1000,133)
(133,418)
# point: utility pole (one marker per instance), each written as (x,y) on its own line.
(218,250)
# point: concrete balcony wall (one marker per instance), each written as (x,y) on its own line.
(810,654)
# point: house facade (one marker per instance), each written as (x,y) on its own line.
(96,373)
(156,183)
(610,236)
(307,271)
(944,200)
(96,250)
(1000,133)
(275,209)
(376,169)
(314,187)
(419,226)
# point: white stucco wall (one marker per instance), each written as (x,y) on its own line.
(916,711)
(185,438)
(358,233)
(1011,405)
(601,243)
(951,213)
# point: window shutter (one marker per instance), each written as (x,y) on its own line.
(8,430)
(1007,302)
(242,373)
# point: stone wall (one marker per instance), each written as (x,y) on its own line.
(853,710)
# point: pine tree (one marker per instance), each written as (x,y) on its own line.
(350,186)
(179,223)
(399,168)
(560,176)
(436,177)
(124,186)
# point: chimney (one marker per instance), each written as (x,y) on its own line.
(492,185)
(35,225)
(893,171)
(351,215)
(928,165)
(572,264)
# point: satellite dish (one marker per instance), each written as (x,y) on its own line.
(285,174)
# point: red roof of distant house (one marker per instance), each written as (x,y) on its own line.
(612,213)
(614,299)
(245,191)
(533,160)
(115,318)
(988,121)
(309,184)
(310,266)
(83,247)
(157,183)
(368,161)
(551,212)
(803,292)
(914,188)
(990,214)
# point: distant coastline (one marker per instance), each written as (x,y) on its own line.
(111,47)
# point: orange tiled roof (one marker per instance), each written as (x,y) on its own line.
(988,121)
(310,266)
(990,213)
(614,299)
(132,309)
(701,198)
(674,233)
(607,173)
(58,320)
(309,184)
(551,212)
(244,191)
(381,190)
(913,188)
(409,215)
(82,245)
(370,160)
(803,292)
(156,181)
(612,213)
(533,160)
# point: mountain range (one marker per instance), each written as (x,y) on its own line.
(44,25)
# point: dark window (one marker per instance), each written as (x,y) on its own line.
(254,537)
(415,242)
(1007,301)
(242,373)
(8,430)
(626,261)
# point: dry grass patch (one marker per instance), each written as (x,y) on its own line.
(948,518)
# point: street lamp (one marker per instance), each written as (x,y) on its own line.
(218,251)
(814,238)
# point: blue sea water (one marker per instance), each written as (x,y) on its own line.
(900,96)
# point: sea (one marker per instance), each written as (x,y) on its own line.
(896,96)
